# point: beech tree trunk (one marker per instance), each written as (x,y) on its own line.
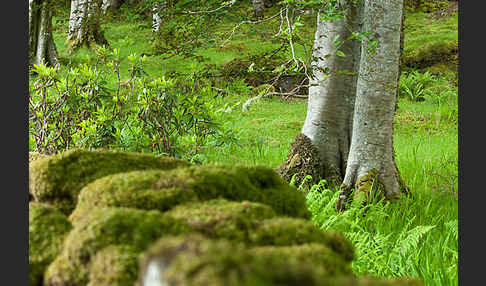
(85,24)
(372,140)
(349,118)
(332,91)
(41,43)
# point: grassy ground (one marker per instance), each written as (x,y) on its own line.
(411,238)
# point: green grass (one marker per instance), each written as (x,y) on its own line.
(410,238)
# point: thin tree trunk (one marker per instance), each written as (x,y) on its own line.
(85,24)
(110,5)
(258,8)
(371,151)
(157,14)
(42,48)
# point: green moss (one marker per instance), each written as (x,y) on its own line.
(47,229)
(289,231)
(115,265)
(101,228)
(313,254)
(58,179)
(222,218)
(131,190)
(164,189)
(196,260)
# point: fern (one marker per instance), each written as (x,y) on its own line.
(411,240)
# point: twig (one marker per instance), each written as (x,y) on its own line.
(247,22)
(210,11)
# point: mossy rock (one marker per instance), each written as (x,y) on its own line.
(47,229)
(256,224)
(431,54)
(163,190)
(196,260)
(283,231)
(101,228)
(58,179)
(36,156)
(115,265)
(222,218)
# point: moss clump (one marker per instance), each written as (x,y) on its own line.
(431,54)
(36,156)
(47,229)
(222,218)
(289,231)
(302,160)
(426,5)
(315,254)
(58,179)
(131,190)
(115,265)
(143,189)
(101,228)
(196,260)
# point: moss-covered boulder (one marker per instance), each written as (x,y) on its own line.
(101,228)
(222,218)
(115,265)
(196,260)
(58,179)
(282,231)
(163,190)
(47,229)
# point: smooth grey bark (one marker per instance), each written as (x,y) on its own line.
(258,7)
(372,140)
(42,48)
(85,23)
(332,91)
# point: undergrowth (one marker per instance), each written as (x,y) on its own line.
(414,237)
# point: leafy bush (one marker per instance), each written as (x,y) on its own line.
(161,115)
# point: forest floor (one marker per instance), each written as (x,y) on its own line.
(411,238)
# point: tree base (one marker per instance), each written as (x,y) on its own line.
(302,160)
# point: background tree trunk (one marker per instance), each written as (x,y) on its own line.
(157,14)
(85,24)
(258,8)
(110,5)
(41,43)
(372,140)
